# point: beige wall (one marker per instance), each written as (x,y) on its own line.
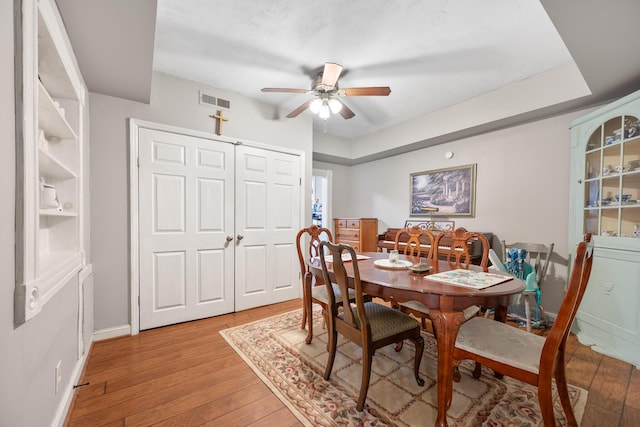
(522,191)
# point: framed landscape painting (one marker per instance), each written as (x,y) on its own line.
(444,192)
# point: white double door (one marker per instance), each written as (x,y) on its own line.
(217,225)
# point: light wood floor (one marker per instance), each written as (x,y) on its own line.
(187,375)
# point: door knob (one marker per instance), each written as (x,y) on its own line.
(229,238)
(240,237)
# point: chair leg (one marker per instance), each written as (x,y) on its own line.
(456,371)
(367,360)
(331,348)
(545,399)
(309,317)
(477,370)
(399,344)
(419,343)
(527,312)
(563,392)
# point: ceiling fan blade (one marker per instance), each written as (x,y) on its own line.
(284,89)
(345,111)
(299,110)
(331,74)
(365,91)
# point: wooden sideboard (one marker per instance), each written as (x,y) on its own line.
(361,233)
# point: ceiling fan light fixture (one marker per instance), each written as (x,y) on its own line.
(335,105)
(324,111)
(315,105)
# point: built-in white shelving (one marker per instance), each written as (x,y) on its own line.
(49,231)
(605,202)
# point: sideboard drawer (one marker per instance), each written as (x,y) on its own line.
(348,234)
(353,223)
(355,244)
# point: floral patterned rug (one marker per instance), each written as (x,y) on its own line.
(274,348)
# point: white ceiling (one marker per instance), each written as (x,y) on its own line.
(433,54)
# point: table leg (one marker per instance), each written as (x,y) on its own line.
(446,324)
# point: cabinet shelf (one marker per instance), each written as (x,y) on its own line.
(50,118)
(51,62)
(55,212)
(51,167)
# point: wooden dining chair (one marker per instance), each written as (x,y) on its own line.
(416,237)
(368,324)
(457,253)
(527,357)
(313,289)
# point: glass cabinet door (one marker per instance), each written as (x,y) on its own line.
(612,179)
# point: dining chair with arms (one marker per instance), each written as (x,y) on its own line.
(527,357)
(313,289)
(368,324)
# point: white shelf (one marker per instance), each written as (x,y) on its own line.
(50,118)
(51,66)
(52,167)
(55,212)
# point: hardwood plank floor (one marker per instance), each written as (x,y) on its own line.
(187,375)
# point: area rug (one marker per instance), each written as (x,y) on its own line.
(275,350)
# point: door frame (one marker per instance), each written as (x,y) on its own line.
(134,254)
(327,206)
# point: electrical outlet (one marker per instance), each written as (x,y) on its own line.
(58,375)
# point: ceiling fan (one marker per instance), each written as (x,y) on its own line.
(325,87)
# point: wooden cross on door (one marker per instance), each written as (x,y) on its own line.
(219,119)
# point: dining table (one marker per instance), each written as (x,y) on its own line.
(446,304)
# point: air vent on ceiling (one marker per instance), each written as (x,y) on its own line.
(213,101)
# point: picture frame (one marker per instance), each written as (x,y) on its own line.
(444,192)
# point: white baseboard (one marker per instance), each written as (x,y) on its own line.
(65,403)
(116,331)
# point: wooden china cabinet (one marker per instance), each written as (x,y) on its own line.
(605,201)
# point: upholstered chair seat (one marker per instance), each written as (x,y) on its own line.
(385,321)
(502,343)
(319,294)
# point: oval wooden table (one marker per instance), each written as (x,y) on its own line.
(446,303)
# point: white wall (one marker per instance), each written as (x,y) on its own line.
(29,352)
(173,102)
(522,191)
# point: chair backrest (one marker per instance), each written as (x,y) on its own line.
(496,262)
(413,243)
(575,291)
(316,235)
(458,254)
(538,256)
(357,322)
